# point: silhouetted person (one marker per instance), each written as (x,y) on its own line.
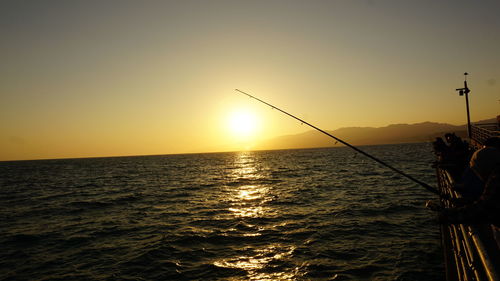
(454,160)
(470,185)
(440,149)
(485,163)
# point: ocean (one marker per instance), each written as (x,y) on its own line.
(309,214)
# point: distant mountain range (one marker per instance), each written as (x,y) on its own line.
(396,133)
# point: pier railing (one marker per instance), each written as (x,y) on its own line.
(467,248)
(481,132)
(470,251)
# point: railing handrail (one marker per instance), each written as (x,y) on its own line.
(481,132)
(489,124)
(470,254)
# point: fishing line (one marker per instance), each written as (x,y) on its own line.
(426,186)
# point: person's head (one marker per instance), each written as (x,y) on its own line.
(484,161)
(449,137)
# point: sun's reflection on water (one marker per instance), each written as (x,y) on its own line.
(256,264)
(249,201)
(248,196)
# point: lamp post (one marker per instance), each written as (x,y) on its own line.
(461,91)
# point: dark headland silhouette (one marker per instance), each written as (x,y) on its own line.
(396,133)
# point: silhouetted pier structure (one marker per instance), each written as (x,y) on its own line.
(481,132)
(470,250)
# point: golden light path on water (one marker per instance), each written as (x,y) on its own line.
(249,201)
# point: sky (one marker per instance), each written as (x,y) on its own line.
(110,78)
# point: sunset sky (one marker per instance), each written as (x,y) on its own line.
(108,78)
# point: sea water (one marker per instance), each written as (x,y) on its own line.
(312,214)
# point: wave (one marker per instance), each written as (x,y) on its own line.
(274,215)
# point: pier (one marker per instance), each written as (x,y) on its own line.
(470,250)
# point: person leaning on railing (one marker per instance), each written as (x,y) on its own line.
(440,149)
(485,163)
(469,185)
(452,156)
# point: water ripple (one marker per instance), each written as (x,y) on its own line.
(314,214)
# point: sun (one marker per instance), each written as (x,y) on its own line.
(242,124)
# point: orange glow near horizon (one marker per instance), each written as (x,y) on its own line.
(88,79)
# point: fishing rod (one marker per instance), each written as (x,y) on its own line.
(426,186)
